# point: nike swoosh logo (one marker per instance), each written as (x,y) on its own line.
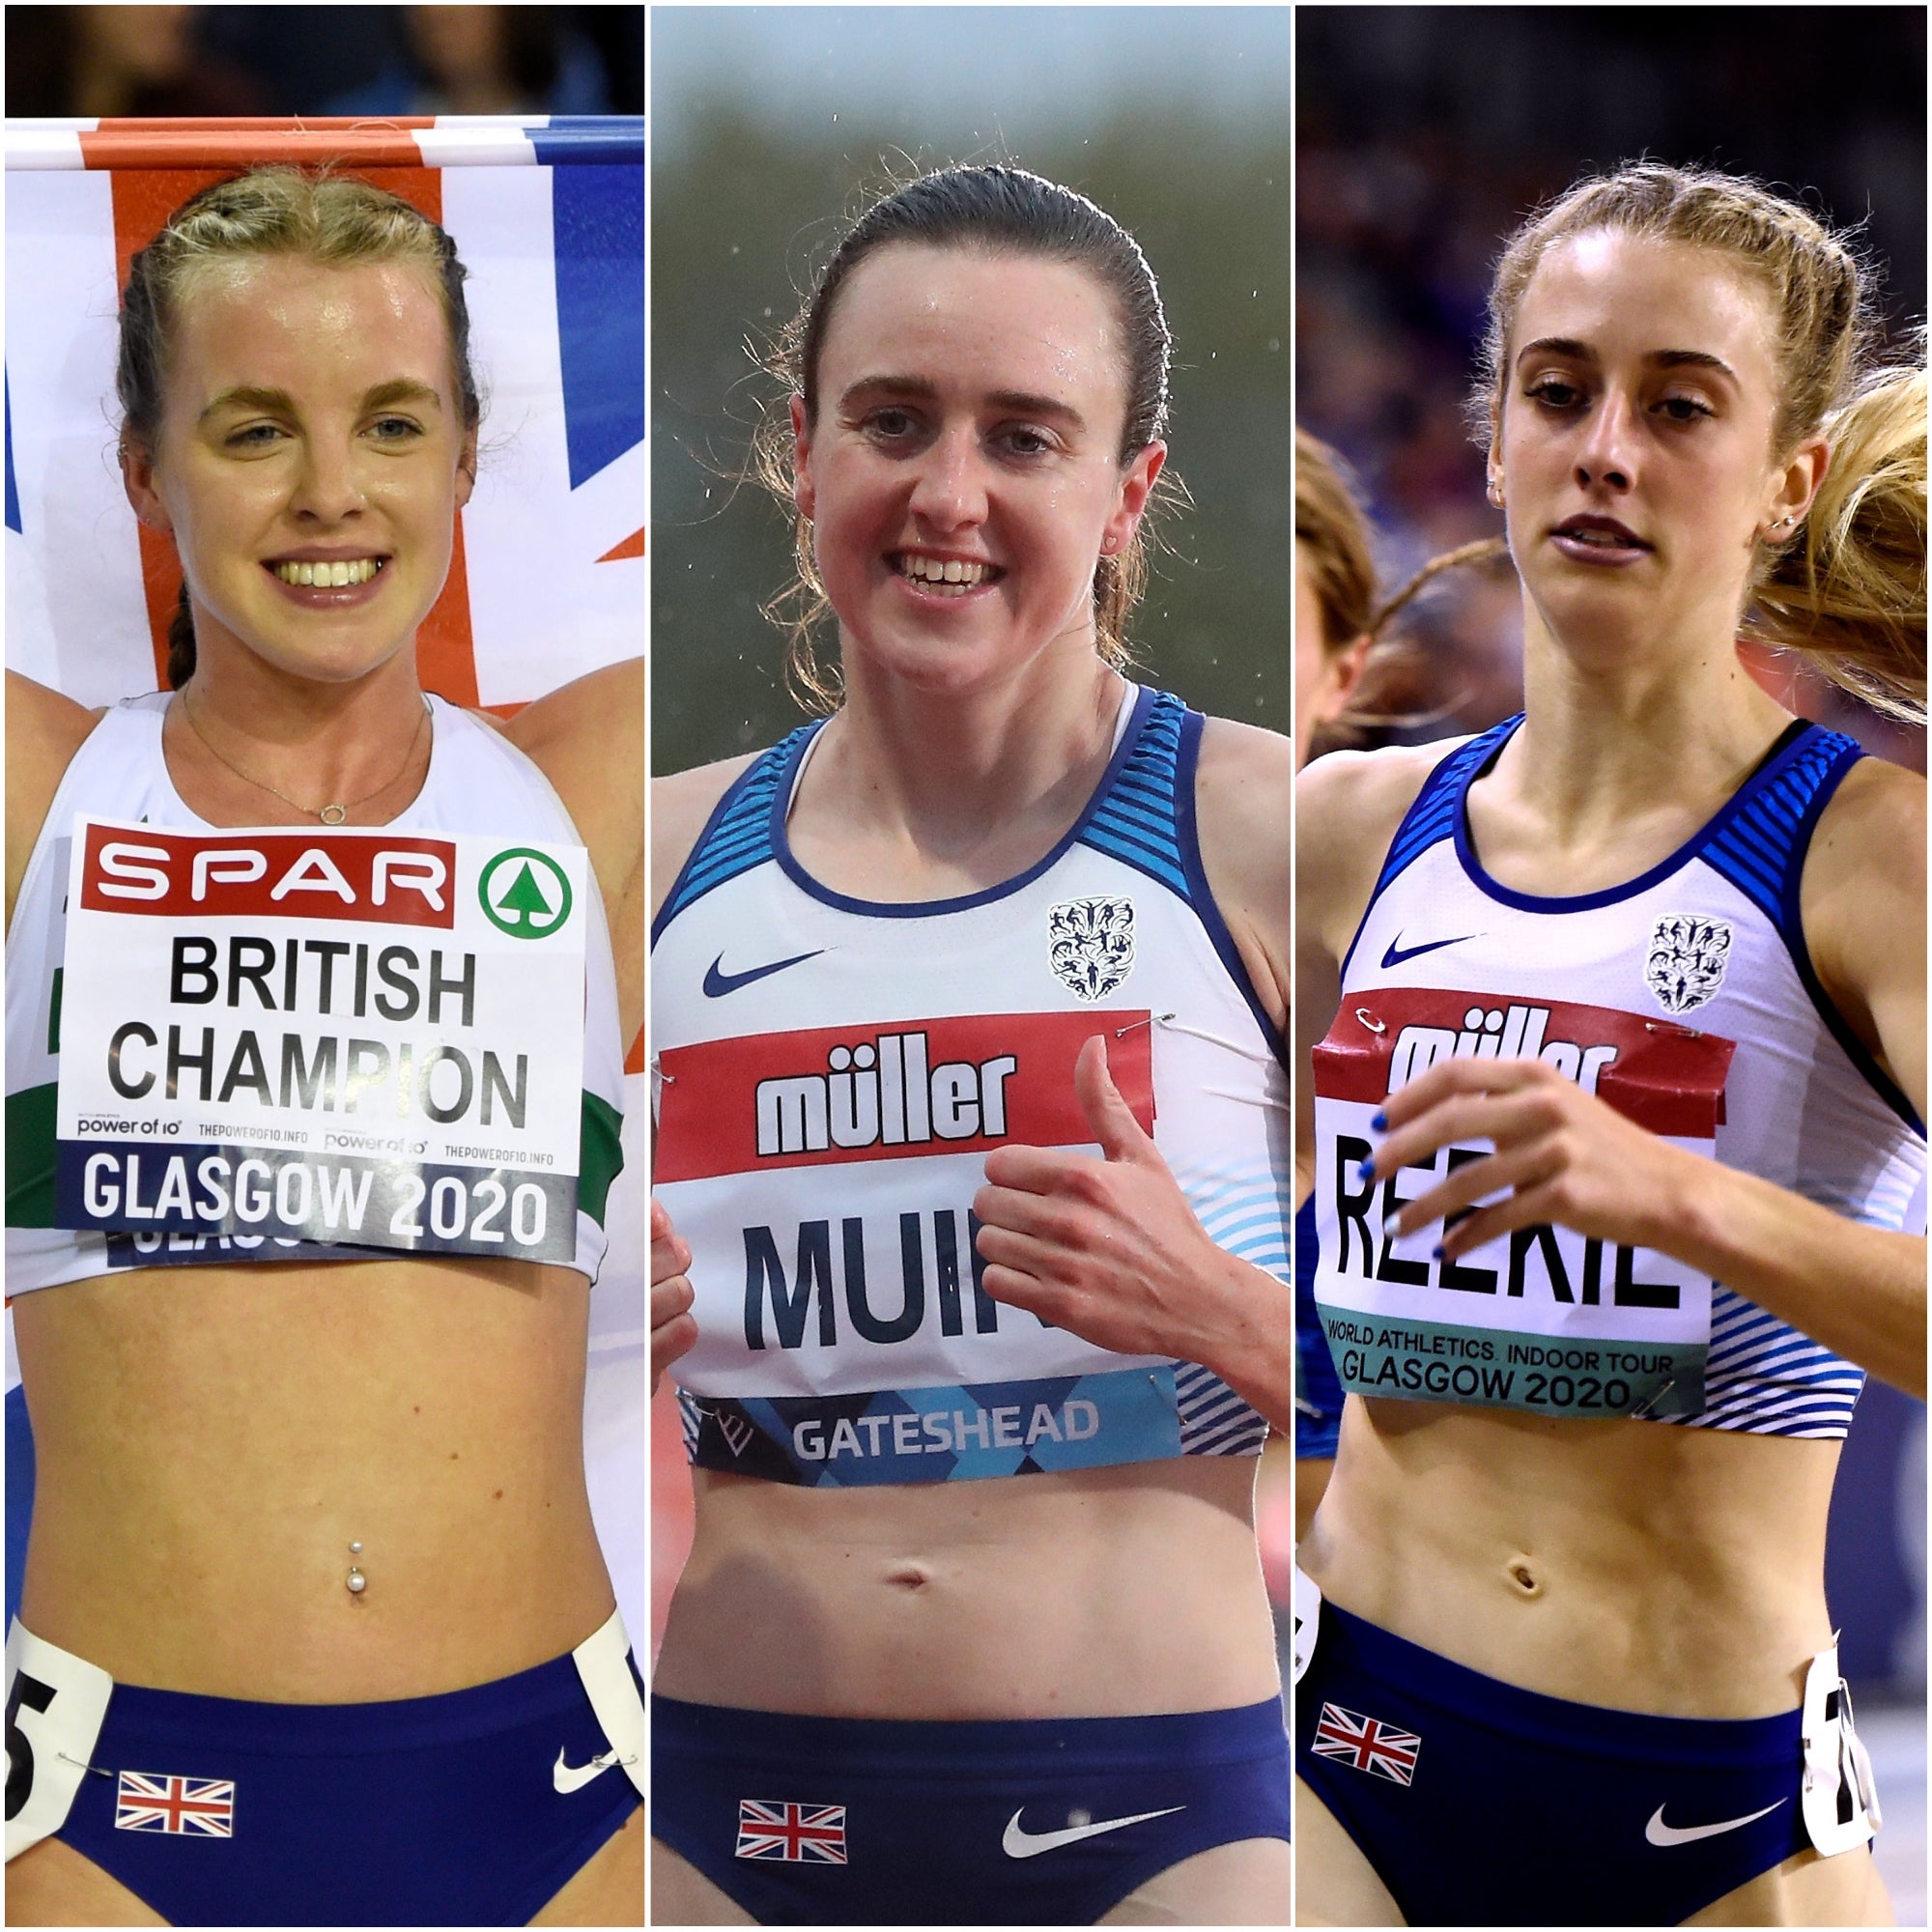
(568,1777)
(1398,952)
(717,985)
(1661,1833)
(1018,1844)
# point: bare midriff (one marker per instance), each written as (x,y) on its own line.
(1636,1565)
(1090,1593)
(210,1441)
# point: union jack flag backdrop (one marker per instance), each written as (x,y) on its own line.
(1366,1744)
(547,577)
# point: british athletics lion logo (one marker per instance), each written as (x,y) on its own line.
(1686,961)
(1090,945)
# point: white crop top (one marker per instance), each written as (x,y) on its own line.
(832,1073)
(1684,999)
(477,782)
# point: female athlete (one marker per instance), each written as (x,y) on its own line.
(972,1628)
(1616,1015)
(315,1626)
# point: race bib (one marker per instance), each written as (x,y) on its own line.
(55,1706)
(364,1037)
(1543,1320)
(824,1178)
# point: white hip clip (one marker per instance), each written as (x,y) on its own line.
(1839,1796)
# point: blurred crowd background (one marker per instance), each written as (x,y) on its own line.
(769,125)
(193,61)
(1424,134)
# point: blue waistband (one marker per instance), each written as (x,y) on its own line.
(1510,1711)
(973,1748)
(349,1730)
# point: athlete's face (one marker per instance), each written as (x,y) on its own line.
(963,476)
(1636,445)
(311,417)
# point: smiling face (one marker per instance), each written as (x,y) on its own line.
(1635,444)
(311,462)
(964,476)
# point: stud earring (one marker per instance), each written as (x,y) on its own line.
(1495,493)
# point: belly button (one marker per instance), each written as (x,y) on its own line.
(1524,1580)
(908,1577)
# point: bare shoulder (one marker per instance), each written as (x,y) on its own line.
(1243,787)
(681,806)
(605,706)
(1865,874)
(1876,804)
(44,729)
(587,739)
(1346,807)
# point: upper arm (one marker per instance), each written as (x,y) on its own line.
(681,806)
(587,739)
(1348,806)
(1862,903)
(1242,791)
(44,729)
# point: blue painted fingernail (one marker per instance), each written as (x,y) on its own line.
(1365,1168)
(1379,1124)
(1435,1253)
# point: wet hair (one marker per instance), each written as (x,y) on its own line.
(334,219)
(992,211)
(1847,588)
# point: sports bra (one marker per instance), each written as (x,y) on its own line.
(832,1074)
(1687,999)
(477,782)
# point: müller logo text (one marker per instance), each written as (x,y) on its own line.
(882,1091)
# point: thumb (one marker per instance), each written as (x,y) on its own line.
(1120,1136)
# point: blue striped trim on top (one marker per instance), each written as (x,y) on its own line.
(739,834)
(1433,816)
(1765,1378)
(1215,1421)
(1138,819)
(1759,846)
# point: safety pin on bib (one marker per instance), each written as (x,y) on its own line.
(1369,1020)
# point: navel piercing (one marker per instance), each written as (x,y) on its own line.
(356,1581)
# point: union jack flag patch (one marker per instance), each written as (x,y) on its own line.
(189,1807)
(1368,1744)
(795,1833)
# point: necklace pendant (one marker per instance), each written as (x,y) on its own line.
(332,814)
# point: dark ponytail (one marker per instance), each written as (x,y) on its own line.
(180,643)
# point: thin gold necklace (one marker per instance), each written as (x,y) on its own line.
(329,814)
